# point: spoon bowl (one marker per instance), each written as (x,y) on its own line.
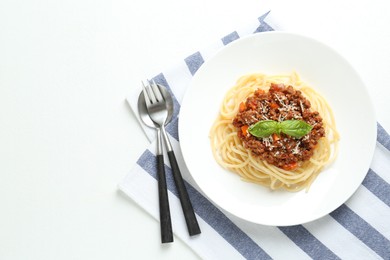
(143,112)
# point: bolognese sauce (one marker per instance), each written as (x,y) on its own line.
(279,103)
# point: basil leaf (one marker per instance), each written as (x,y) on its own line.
(295,128)
(264,128)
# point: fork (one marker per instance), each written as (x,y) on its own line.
(158,112)
(165,215)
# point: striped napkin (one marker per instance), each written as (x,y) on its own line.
(358,229)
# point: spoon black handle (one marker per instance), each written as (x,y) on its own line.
(189,215)
(165,215)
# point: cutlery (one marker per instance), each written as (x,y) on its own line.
(165,215)
(158,110)
(143,112)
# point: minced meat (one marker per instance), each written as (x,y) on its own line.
(279,103)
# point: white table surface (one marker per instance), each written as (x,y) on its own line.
(67,137)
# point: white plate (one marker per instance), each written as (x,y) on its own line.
(323,69)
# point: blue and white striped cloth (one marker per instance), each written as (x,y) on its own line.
(358,229)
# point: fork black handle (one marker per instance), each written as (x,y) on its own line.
(165,214)
(188,210)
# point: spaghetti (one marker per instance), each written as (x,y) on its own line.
(238,151)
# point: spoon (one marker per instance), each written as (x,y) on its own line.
(157,108)
(143,111)
(165,215)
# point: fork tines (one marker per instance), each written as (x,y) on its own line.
(152,92)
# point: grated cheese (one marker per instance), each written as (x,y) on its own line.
(267,141)
(300,103)
(296,148)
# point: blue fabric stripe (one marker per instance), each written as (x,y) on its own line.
(362,230)
(173,128)
(307,242)
(230,38)
(379,187)
(261,18)
(194,62)
(264,27)
(209,213)
(148,162)
(383,137)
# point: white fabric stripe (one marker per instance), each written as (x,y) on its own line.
(178,79)
(377,214)
(180,161)
(381,162)
(211,50)
(216,245)
(270,20)
(249,29)
(271,239)
(339,240)
(133,185)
